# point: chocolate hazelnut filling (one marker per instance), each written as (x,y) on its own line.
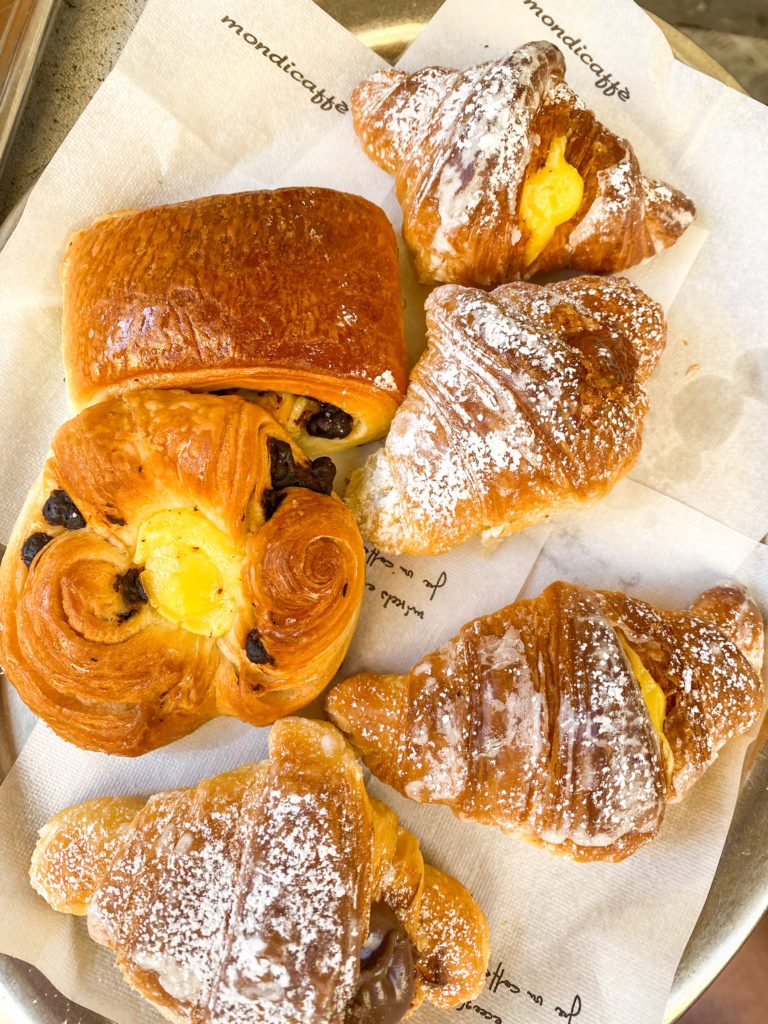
(60,510)
(385,989)
(329,422)
(285,472)
(34,543)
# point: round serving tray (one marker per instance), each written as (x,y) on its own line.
(739,894)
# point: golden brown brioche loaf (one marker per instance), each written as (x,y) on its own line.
(178,558)
(569,719)
(529,400)
(276,893)
(293,295)
(503,172)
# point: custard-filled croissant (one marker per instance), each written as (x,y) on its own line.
(178,558)
(276,893)
(529,400)
(292,296)
(503,172)
(568,720)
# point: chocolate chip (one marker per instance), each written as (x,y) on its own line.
(130,587)
(329,422)
(385,989)
(60,510)
(115,520)
(282,468)
(433,970)
(255,651)
(324,471)
(285,472)
(127,614)
(270,500)
(34,543)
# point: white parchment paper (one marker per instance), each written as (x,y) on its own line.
(204,99)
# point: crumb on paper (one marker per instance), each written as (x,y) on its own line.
(692,370)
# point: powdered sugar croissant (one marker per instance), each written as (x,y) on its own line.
(529,400)
(503,172)
(569,719)
(275,893)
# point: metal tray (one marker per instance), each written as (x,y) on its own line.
(739,894)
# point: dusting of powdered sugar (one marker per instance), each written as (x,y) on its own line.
(461,143)
(242,908)
(386,381)
(616,192)
(573,761)
(493,431)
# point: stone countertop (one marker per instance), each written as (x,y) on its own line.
(87,36)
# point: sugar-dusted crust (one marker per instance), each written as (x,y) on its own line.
(529,400)
(461,145)
(531,719)
(246,899)
(295,290)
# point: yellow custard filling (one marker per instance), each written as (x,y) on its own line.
(549,198)
(191,570)
(655,701)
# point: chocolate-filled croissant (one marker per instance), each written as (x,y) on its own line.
(503,172)
(529,400)
(278,893)
(178,558)
(568,720)
(291,295)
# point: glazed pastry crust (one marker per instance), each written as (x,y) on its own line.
(248,896)
(295,290)
(532,719)
(462,144)
(529,400)
(122,678)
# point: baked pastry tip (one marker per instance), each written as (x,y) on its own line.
(178,558)
(529,400)
(568,720)
(503,172)
(291,296)
(277,893)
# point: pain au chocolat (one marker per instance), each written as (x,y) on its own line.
(503,172)
(529,400)
(179,557)
(569,719)
(278,893)
(291,295)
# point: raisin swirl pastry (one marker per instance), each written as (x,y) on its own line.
(569,719)
(503,172)
(276,893)
(529,400)
(178,558)
(291,296)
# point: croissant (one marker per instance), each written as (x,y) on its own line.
(569,719)
(502,172)
(292,296)
(178,558)
(278,892)
(528,400)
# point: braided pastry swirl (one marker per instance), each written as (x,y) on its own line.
(569,719)
(178,558)
(503,172)
(276,893)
